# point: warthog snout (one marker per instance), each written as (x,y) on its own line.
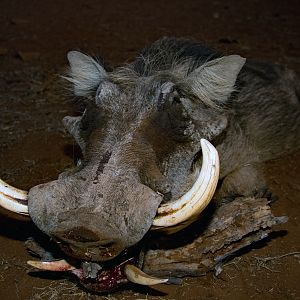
(94,220)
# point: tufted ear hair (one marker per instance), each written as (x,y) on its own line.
(213,82)
(85,73)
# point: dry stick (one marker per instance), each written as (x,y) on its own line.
(266,259)
(261,261)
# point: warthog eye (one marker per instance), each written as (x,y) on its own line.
(176,99)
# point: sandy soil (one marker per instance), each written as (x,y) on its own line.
(34,38)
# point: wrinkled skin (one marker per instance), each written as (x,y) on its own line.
(140,137)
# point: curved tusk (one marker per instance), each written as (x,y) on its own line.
(55,265)
(197,198)
(136,275)
(13,199)
(12,191)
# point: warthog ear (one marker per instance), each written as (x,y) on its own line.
(214,81)
(85,73)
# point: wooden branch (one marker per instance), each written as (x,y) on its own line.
(216,238)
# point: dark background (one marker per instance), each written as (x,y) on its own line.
(34,39)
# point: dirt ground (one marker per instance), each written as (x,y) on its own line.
(34,38)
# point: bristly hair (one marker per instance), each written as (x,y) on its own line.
(167,55)
(170,58)
(198,70)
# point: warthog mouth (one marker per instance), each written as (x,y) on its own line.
(97,277)
(170,217)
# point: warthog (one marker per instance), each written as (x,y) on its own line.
(142,135)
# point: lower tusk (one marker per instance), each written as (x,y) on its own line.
(56,265)
(136,275)
(189,206)
(13,199)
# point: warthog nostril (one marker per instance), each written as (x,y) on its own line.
(79,234)
(107,244)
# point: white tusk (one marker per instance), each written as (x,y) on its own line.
(55,265)
(11,191)
(197,198)
(13,199)
(136,275)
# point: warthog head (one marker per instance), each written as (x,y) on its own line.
(142,134)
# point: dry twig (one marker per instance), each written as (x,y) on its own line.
(262,261)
